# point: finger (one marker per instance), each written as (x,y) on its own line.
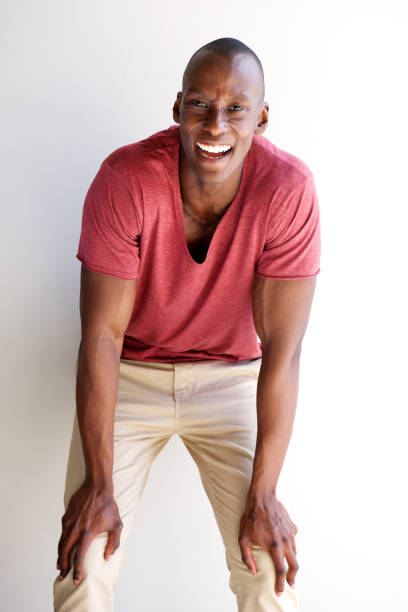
(294,545)
(65,554)
(247,558)
(113,543)
(62,542)
(82,546)
(280,568)
(293,567)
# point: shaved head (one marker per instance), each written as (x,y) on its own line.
(224,47)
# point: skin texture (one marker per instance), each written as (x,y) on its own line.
(221,103)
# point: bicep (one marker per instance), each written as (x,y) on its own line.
(281,310)
(106,303)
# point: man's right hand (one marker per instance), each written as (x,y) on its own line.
(90,511)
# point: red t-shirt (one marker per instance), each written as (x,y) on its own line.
(133,227)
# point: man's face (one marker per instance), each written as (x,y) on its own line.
(221,105)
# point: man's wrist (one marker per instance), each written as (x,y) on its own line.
(261,488)
(100,483)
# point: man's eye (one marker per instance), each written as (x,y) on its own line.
(236,107)
(198,103)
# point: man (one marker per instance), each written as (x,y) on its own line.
(194,241)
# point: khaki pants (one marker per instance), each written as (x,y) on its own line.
(211,405)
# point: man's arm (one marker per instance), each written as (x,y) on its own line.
(281,310)
(106,304)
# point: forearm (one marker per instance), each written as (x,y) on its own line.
(96,393)
(276,407)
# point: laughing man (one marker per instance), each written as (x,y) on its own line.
(200,247)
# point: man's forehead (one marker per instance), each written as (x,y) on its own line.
(240,93)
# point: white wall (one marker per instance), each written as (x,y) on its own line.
(81,78)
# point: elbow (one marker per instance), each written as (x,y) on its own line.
(102,339)
(282,352)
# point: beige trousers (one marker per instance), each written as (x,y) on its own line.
(211,405)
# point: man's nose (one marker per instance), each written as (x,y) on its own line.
(216,121)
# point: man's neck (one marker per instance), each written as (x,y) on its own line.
(207,200)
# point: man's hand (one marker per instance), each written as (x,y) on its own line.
(266,523)
(90,511)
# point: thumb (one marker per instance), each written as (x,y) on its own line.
(247,558)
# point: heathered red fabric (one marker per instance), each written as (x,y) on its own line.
(133,227)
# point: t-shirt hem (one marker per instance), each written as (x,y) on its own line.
(103,270)
(289,277)
(186,359)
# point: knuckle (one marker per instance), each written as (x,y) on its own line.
(78,557)
(85,531)
(281,570)
(64,520)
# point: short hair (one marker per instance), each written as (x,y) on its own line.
(227,47)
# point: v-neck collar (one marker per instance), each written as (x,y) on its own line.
(217,235)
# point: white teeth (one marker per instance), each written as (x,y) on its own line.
(215,149)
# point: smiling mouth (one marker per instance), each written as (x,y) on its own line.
(213,151)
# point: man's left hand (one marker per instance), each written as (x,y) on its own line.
(266,523)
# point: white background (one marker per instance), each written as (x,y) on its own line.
(81,78)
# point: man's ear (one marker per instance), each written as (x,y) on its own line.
(176,108)
(263,119)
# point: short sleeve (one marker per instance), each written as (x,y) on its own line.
(110,230)
(293,245)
